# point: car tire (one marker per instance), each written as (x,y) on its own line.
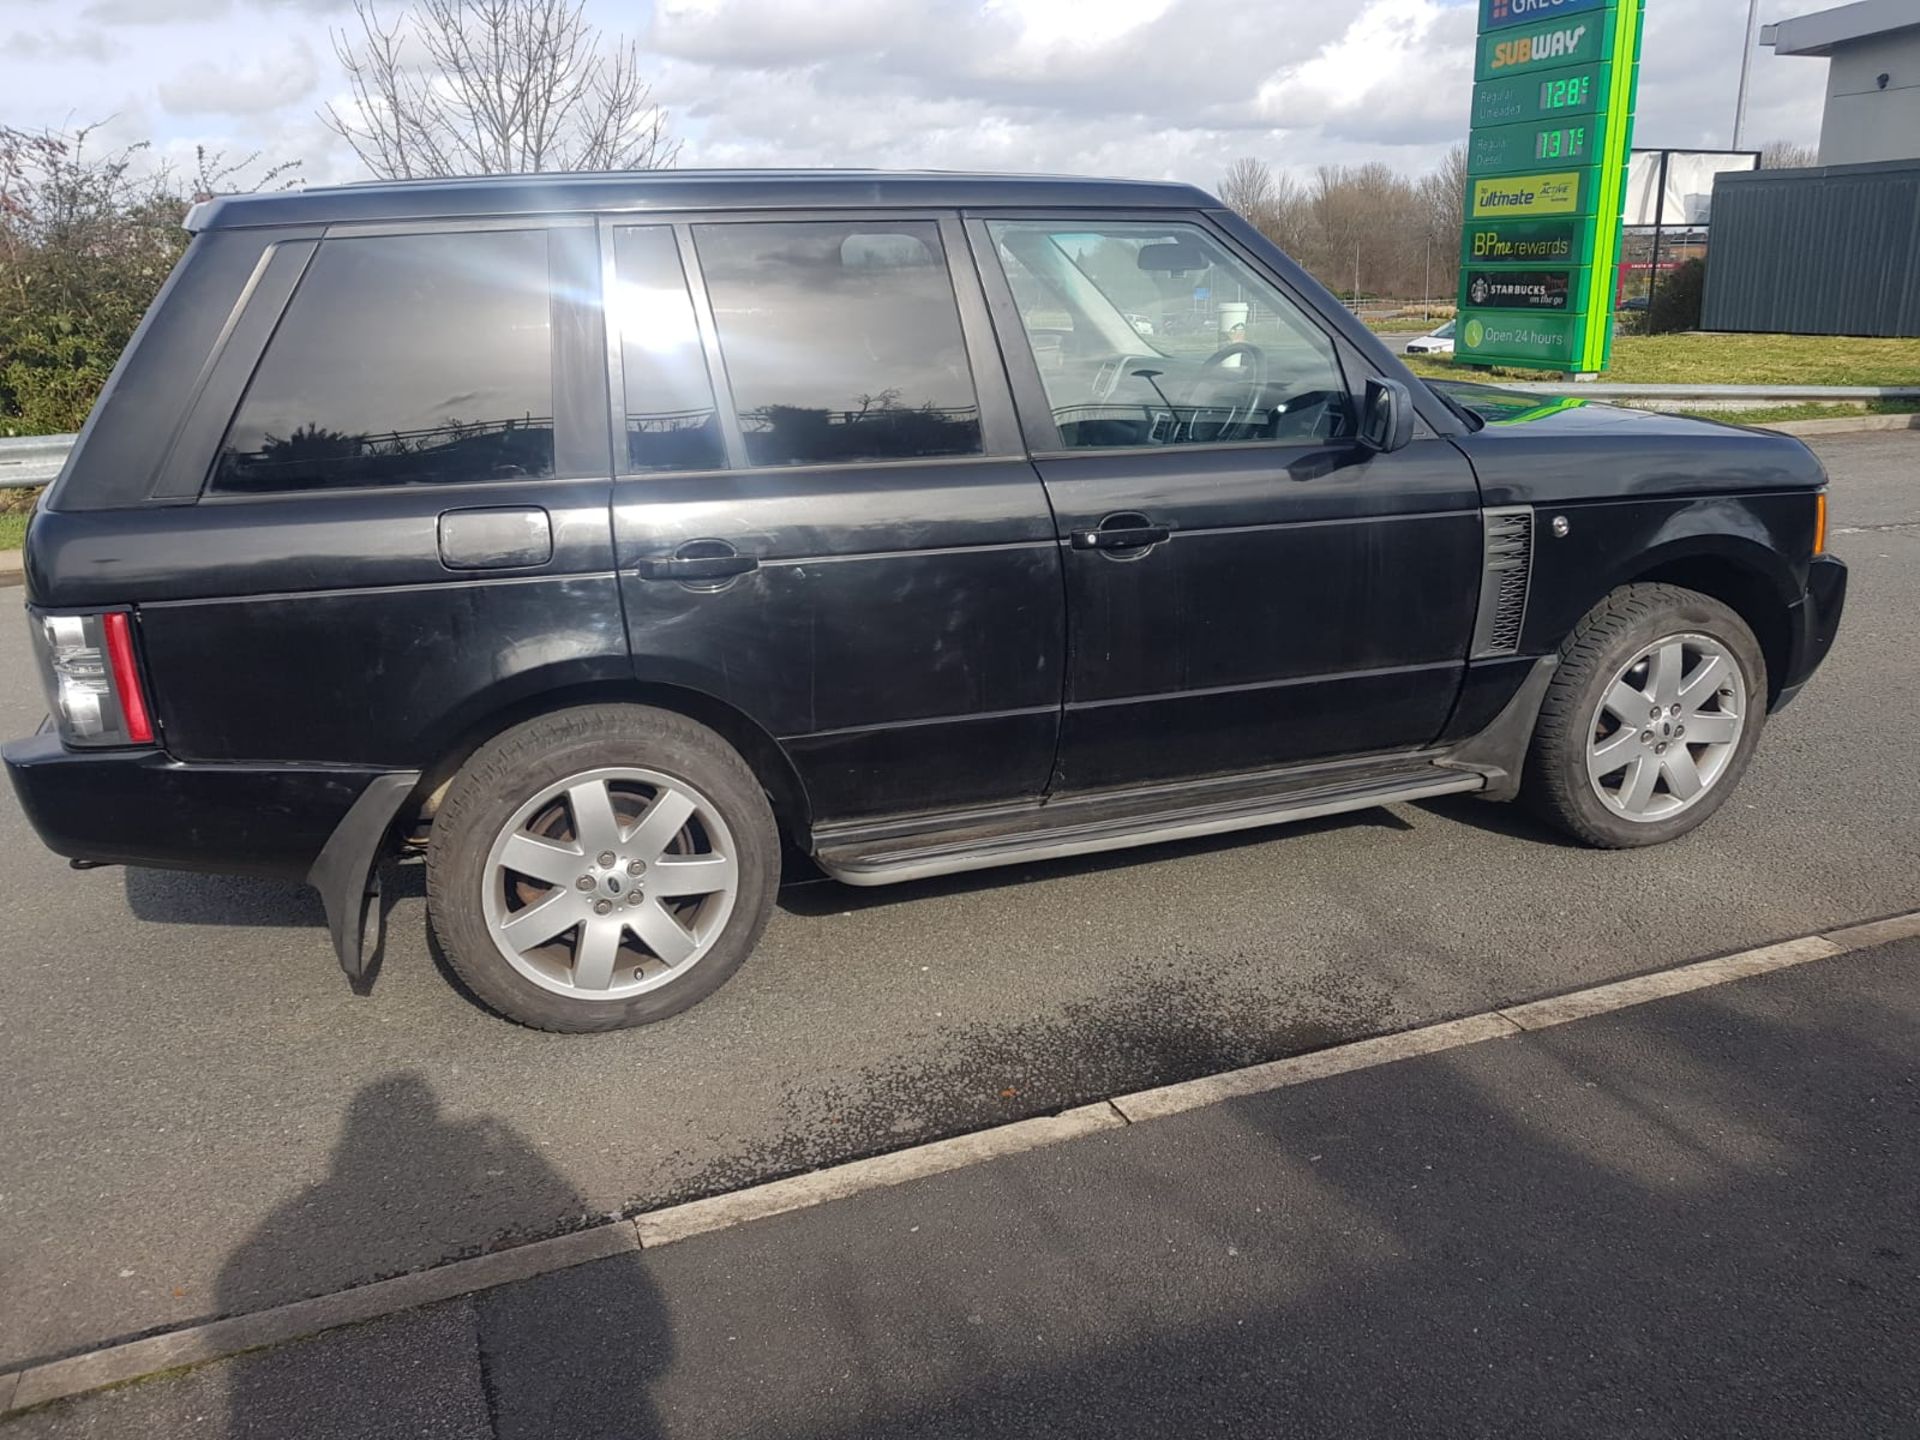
(642,832)
(1614,784)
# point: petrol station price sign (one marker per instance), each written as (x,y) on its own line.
(1552,128)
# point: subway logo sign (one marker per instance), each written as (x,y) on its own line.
(1541,47)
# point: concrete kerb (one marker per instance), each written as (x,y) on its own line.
(1842,424)
(75,1375)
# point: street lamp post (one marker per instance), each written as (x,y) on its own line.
(1746,64)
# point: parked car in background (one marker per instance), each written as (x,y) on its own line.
(1434,342)
(585,538)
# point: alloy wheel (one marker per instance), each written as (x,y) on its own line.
(1667,727)
(610,883)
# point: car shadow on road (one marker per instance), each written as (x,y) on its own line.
(1513,820)
(183,897)
(409,1184)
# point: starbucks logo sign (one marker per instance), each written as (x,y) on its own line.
(1478,290)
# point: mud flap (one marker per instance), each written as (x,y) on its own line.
(347,872)
(1499,752)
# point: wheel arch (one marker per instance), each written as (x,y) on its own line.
(1748,578)
(763,754)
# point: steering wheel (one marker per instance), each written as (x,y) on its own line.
(1252,374)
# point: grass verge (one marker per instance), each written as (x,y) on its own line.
(1406,324)
(1701,359)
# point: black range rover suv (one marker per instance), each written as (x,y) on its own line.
(585,534)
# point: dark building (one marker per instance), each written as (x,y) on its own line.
(1833,250)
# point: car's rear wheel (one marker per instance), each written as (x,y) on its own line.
(601,867)
(1651,719)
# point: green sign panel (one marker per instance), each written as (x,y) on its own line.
(1549,95)
(1558,289)
(1502,148)
(1525,242)
(1546,164)
(1488,337)
(1577,40)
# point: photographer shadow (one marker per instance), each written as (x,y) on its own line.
(408,1186)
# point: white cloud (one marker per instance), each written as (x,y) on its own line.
(1401,73)
(154,12)
(53,47)
(1175,88)
(257,87)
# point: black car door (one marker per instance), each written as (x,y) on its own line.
(824,519)
(1248,586)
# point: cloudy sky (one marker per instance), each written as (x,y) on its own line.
(1173,88)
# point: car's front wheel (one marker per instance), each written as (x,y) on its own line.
(1651,718)
(601,867)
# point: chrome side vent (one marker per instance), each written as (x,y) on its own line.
(1506,571)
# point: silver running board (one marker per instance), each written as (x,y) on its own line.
(1093,839)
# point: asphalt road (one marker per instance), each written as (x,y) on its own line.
(183,1072)
(1691,1218)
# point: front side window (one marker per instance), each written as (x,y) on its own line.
(841,340)
(403,359)
(670,419)
(1156,335)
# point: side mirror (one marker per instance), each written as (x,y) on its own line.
(1386,417)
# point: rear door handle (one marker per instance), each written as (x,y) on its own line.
(697,560)
(1121,537)
(696,567)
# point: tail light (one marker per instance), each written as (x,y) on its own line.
(92,679)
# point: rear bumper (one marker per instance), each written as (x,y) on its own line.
(140,807)
(1816,619)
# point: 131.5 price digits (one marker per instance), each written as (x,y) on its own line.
(1568,144)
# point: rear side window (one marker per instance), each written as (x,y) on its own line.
(841,340)
(670,419)
(403,360)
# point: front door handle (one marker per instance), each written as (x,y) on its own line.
(695,561)
(1122,532)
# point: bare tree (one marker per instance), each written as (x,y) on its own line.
(1271,203)
(1247,187)
(1443,209)
(494,87)
(1787,155)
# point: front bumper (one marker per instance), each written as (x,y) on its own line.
(141,807)
(1815,621)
